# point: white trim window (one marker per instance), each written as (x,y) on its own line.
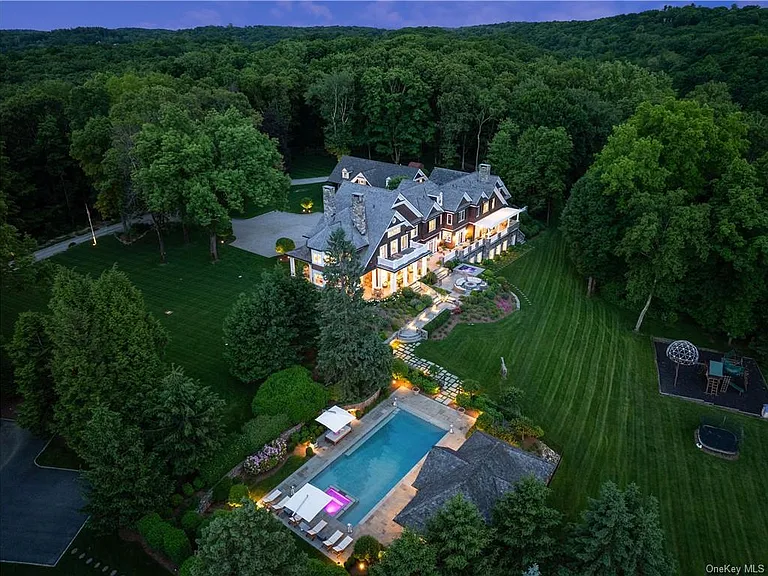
(493,203)
(432,225)
(462,215)
(449,219)
(485,207)
(345,174)
(403,242)
(414,232)
(383,251)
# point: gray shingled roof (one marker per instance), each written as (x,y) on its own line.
(482,470)
(374,171)
(441,176)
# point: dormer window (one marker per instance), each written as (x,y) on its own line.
(345,174)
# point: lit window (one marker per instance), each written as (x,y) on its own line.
(383,251)
(414,231)
(403,242)
(393,247)
(393,231)
(432,225)
(493,203)
(485,208)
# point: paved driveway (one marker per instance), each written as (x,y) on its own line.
(39,507)
(259,234)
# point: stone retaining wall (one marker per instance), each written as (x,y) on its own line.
(365,403)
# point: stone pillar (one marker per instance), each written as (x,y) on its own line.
(423,265)
(292,263)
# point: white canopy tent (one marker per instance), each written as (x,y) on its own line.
(335,419)
(308,502)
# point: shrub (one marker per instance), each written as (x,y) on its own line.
(266,458)
(451,264)
(463,399)
(291,391)
(190,521)
(429,278)
(187,489)
(237,493)
(399,368)
(424,382)
(437,321)
(176,500)
(284,245)
(310,452)
(176,545)
(221,490)
(306,204)
(151,529)
(529,226)
(316,567)
(190,566)
(198,483)
(367,549)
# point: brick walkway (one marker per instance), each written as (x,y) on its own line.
(450,385)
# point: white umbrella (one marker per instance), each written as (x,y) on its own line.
(308,502)
(335,418)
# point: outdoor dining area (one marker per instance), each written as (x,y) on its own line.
(306,511)
(729,380)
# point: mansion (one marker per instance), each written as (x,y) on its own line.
(404,223)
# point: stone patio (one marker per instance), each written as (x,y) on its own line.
(379,521)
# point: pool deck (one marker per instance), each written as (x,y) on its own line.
(379,521)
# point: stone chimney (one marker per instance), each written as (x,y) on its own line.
(329,201)
(358,213)
(484,172)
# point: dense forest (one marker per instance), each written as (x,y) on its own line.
(78,106)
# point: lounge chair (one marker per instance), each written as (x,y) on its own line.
(343,545)
(333,539)
(335,437)
(316,530)
(271,497)
(280,505)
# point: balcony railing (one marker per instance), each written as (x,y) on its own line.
(397,261)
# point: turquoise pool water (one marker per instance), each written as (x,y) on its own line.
(371,467)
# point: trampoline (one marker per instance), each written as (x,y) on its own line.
(717,441)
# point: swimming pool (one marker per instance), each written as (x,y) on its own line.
(372,466)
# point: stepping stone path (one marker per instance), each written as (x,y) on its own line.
(105,568)
(89,560)
(74,551)
(113,573)
(97,564)
(450,385)
(81,556)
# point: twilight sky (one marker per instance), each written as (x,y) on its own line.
(46,15)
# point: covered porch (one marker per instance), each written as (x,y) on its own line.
(381,283)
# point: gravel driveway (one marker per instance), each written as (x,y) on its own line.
(40,508)
(259,234)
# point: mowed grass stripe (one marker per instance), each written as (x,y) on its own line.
(591,383)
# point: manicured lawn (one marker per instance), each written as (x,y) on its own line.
(311,166)
(125,557)
(591,383)
(295,196)
(199,295)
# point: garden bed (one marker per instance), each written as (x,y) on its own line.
(477,308)
(399,308)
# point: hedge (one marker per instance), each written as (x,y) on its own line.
(151,528)
(316,567)
(221,490)
(291,391)
(437,321)
(237,447)
(176,544)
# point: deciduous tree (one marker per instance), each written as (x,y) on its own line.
(248,541)
(408,555)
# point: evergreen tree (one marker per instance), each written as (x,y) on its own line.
(460,537)
(248,541)
(30,351)
(185,422)
(408,555)
(350,352)
(106,349)
(524,526)
(125,480)
(620,534)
